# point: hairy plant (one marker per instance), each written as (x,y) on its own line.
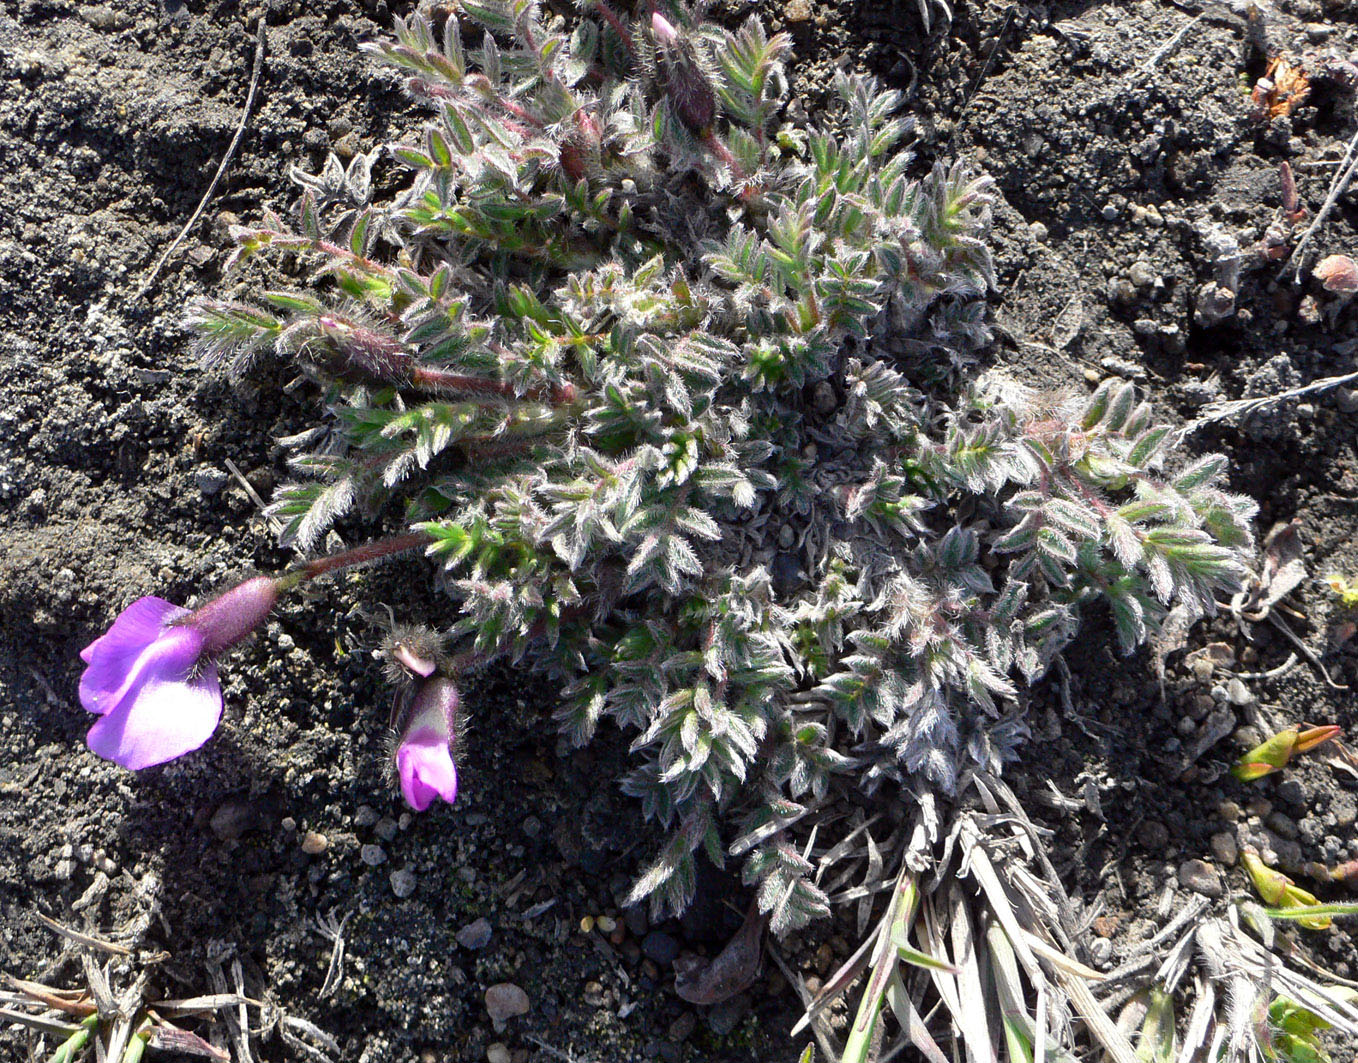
(676,391)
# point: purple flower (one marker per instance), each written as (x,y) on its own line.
(424,755)
(151,677)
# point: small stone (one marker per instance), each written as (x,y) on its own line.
(1121,290)
(1101,951)
(726,1016)
(636,920)
(288,824)
(786,537)
(1229,811)
(606,924)
(1224,848)
(505,1001)
(1105,926)
(1141,275)
(1291,792)
(498,1053)
(366,816)
(797,10)
(1039,232)
(474,935)
(314,843)
(1346,399)
(1200,877)
(210,481)
(1237,693)
(1202,669)
(373,855)
(232,819)
(1153,834)
(1282,825)
(403,882)
(682,1028)
(387,829)
(532,826)
(587,924)
(660,947)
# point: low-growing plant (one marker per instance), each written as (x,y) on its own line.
(677,393)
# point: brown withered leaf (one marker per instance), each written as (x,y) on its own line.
(1282,89)
(731,970)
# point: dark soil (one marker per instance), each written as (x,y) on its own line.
(1121,182)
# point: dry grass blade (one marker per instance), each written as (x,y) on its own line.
(1100,1026)
(38,1022)
(236,1030)
(909,1018)
(795,980)
(966,956)
(1199,1021)
(71,1001)
(98,983)
(79,938)
(290,1028)
(118,1038)
(211,1002)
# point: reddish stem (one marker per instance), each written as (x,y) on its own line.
(362,555)
(444,380)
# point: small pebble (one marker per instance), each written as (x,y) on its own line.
(636,920)
(403,882)
(366,816)
(587,924)
(660,947)
(1200,877)
(372,855)
(605,924)
(386,829)
(474,935)
(1238,693)
(210,481)
(1141,275)
(726,1016)
(1224,848)
(1291,792)
(504,1001)
(1153,834)
(288,824)
(682,1028)
(232,819)
(1282,825)
(498,1053)
(314,842)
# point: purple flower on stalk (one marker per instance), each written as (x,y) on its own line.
(151,677)
(424,754)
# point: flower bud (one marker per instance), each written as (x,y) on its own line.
(1280,891)
(352,350)
(411,653)
(1274,752)
(688,87)
(424,754)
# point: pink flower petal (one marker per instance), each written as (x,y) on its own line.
(119,666)
(140,622)
(426,770)
(164,718)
